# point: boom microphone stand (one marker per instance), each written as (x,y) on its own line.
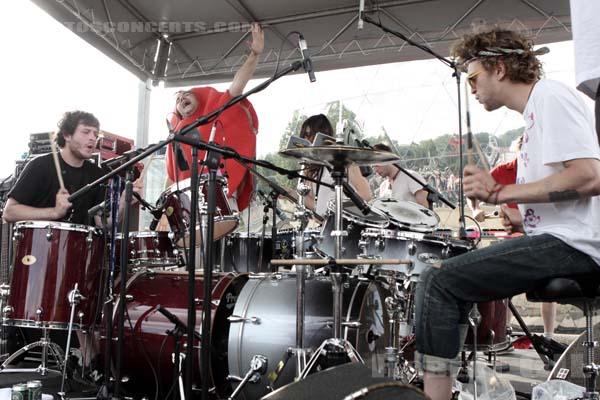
(456,74)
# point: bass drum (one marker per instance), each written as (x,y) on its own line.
(147,349)
(264,322)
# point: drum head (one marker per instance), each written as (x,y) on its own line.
(408,215)
(375,218)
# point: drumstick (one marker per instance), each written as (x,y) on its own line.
(341,261)
(56,162)
(468,120)
(146,167)
(472,140)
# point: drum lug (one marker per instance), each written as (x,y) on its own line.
(90,238)
(237,318)
(132,253)
(4,291)
(7,310)
(380,243)
(129,297)
(17,235)
(38,314)
(49,234)
(446,252)
(412,248)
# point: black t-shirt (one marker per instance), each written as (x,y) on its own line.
(38,184)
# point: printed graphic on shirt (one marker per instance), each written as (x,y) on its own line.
(530,220)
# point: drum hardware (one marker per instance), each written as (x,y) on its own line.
(47,347)
(258,367)
(74,297)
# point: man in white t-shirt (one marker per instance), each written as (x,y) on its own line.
(396,184)
(558,177)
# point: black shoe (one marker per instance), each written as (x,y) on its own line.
(549,347)
(95,371)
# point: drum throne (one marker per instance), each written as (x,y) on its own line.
(582,291)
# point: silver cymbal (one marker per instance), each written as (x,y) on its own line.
(340,155)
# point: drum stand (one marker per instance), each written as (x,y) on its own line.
(47,346)
(336,350)
(399,307)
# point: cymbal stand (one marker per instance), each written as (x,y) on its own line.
(336,350)
(301,271)
(399,306)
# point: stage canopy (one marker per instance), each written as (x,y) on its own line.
(185,42)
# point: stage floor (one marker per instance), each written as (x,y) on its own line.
(521,367)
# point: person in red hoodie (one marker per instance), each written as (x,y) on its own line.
(236,127)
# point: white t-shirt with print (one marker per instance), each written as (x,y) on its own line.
(559,127)
(402,188)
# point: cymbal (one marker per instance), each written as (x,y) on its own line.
(337,155)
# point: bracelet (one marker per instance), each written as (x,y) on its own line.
(496,193)
(492,191)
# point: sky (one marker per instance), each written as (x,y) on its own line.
(48,70)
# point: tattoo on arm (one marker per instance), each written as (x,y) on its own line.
(565,195)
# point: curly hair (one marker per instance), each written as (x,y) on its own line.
(497,44)
(69,121)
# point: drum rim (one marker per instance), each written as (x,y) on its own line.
(359,219)
(185,184)
(64,226)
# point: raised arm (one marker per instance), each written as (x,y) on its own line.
(244,74)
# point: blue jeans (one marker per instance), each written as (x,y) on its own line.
(445,294)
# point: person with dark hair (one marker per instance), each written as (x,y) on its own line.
(37,195)
(238,127)
(322,194)
(558,179)
(396,184)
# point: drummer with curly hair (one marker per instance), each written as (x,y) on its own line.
(558,177)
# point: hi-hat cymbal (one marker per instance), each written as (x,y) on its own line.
(340,155)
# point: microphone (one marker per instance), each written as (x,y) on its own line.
(94,210)
(306,61)
(280,214)
(122,159)
(365,170)
(356,199)
(213,130)
(176,321)
(361,10)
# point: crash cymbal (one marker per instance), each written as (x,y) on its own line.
(339,155)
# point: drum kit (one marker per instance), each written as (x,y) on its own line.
(342,293)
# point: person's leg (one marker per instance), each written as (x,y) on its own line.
(548,311)
(445,293)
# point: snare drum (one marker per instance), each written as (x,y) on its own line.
(264,322)
(417,247)
(149,249)
(408,215)
(354,221)
(176,204)
(50,258)
(147,350)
